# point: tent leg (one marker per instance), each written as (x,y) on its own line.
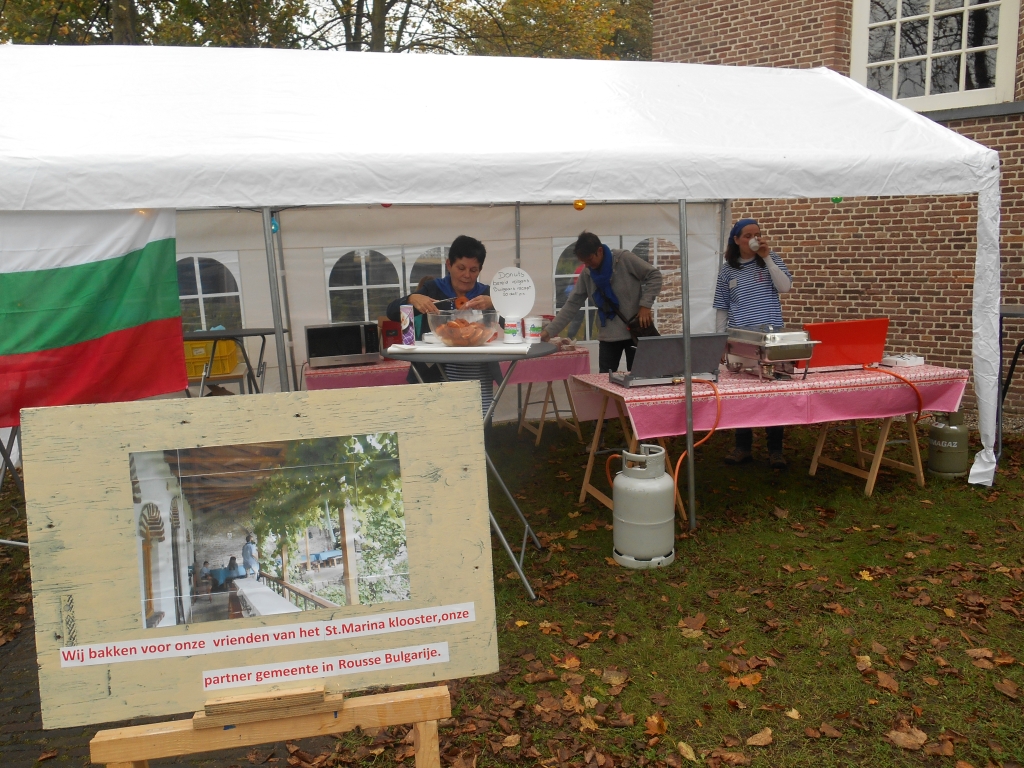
(287,304)
(684,269)
(275,300)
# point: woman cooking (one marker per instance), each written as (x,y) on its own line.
(747,295)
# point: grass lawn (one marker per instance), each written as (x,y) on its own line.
(845,625)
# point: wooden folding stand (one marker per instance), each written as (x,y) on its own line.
(549,396)
(242,721)
(627,431)
(877,457)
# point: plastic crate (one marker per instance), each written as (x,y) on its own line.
(197,355)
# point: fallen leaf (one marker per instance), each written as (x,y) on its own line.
(587,724)
(748,681)
(660,699)
(888,682)
(522,623)
(963,764)
(812,733)
(614,677)
(761,738)
(694,622)
(612,561)
(878,648)
(655,725)
(781,513)
(589,702)
(47,755)
(912,739)
(539,677)
(570,662)
(939,748)
(863,663)
(1008,688)
(949,612)
(511,741)
(979,653)
(828,730)
(983,664)
(703,667)
(1003,659)
(930,680)
(731,758)
(686,751)
(691,634)
(792,714)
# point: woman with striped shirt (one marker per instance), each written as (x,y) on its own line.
(747,295)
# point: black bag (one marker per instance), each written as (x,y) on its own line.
(635,329)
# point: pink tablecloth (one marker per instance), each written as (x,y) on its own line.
(556,367)
(750,402)
(384,373)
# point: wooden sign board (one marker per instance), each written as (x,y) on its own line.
(189,549)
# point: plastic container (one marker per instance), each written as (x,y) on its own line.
(197,355)
(644,511)
(533,328)
(513,330)
(947,445)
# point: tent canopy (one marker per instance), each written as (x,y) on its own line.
(110,127)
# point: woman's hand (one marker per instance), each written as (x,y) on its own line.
(644,317)
(480,302)
(545,336)
(423,304)
(763,248)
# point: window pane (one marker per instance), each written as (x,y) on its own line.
(577,327)
(947,33)
(881,43)
(913,38)
(215,277)
(880,80)
(948,5)
(428,265)
(380,271)
(911,79)
(563,287)
(883,10)
(347,271)
(981,70)
(945,74)
(983,27)
(379,298)
(914,7)
(190,320)
(567,263)
(223,310)
(346,306)
(645,250)
(187,277)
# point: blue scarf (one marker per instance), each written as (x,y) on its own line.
(444,284)
(603,293)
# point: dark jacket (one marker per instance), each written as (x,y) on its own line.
(429,371)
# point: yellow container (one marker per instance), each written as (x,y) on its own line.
(197,355)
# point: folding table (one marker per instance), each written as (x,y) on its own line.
(236,335)
(434,355)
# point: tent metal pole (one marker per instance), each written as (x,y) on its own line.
(275,300)
(279,240)
(684,269)
(519,387)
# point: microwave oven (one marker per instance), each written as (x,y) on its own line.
(342,344)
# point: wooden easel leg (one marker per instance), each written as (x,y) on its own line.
(133,764)
(627,429)
(544,413)
(915,449)
(424,740)
(822,435)
(876,462)
(593,449)
(526,407)
(572,407)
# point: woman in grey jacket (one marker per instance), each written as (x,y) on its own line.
(613,280)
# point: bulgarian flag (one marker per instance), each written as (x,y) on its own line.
(89,309)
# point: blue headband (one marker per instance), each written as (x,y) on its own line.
(739,225)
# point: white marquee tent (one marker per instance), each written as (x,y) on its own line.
(104,128)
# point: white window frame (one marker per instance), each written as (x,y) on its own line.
(1006,61)
(227,259)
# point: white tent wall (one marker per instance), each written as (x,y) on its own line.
(307,232)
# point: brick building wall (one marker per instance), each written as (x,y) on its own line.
(912,258)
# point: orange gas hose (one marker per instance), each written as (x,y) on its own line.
(905,380)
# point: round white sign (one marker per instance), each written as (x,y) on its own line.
(512,292)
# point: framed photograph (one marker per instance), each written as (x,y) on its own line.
(191,548)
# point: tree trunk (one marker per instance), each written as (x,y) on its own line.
(377,30)
(123,18)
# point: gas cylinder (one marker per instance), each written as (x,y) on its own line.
(947,445)
(644,517)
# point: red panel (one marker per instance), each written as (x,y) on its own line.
(848,342)
(138,362)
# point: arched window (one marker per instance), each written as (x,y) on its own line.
(584,326)
(209,294)
(429,264)
(361,285)
(151,531)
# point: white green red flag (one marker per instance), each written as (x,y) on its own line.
(89,309)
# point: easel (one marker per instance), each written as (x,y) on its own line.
(549,397)
(877,457)
(242,721)
(5,459)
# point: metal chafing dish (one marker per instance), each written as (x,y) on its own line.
(766,351)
